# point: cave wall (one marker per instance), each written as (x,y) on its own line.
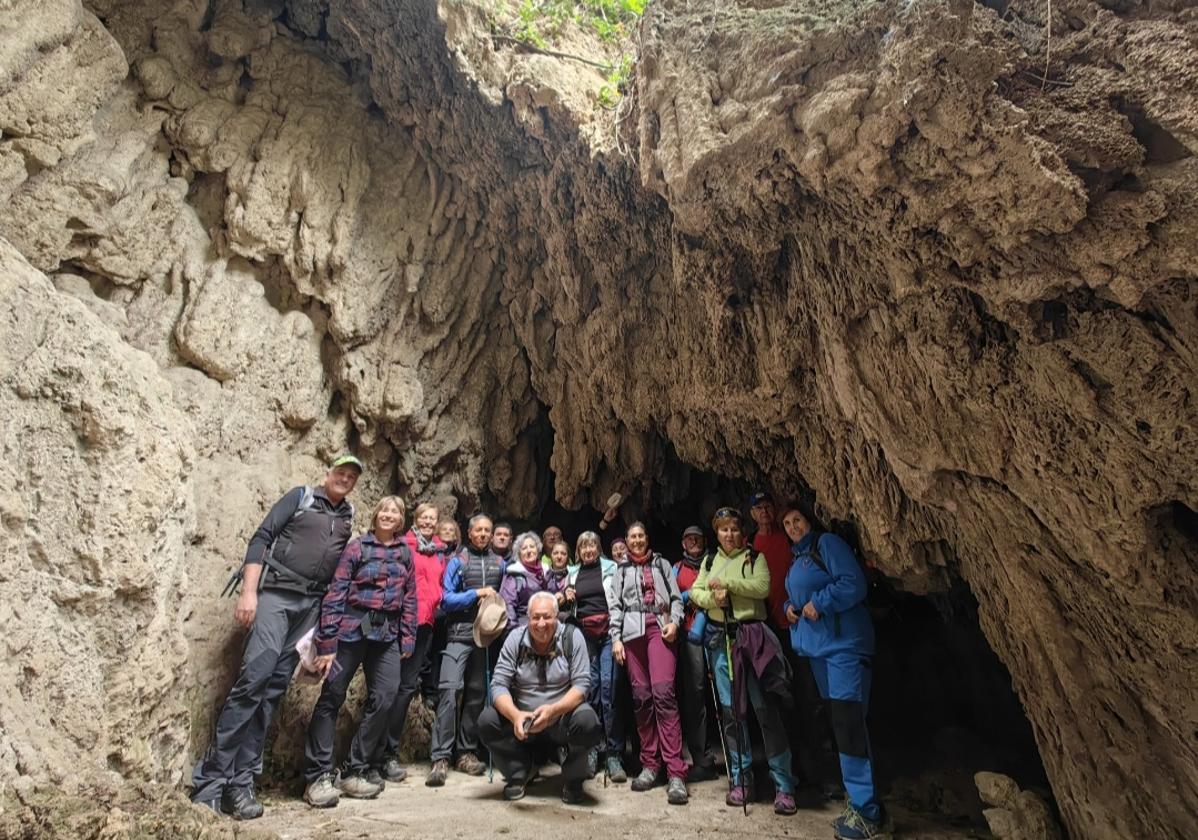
(872,251)
(207,208)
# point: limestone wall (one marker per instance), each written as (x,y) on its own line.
(870,250)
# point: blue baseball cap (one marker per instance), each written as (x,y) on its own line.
(759,497)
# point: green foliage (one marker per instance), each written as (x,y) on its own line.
(613,87)
(539,23)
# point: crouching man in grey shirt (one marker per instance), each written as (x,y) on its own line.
(537,693)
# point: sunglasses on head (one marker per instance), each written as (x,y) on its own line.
(727,513)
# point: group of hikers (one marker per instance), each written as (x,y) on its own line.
(525,645)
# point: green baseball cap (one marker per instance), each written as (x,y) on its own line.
(342,460)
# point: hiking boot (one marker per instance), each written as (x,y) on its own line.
(323,792)
(358,786)
(240,803)
(646,780)
(514,790)
(212,805)
(469,764)
(436,776)
(615,770)
(676,791)
(784,804)
(854,825)
(701,773)
(572,792)
(592,763)
(393,771)
(737,796)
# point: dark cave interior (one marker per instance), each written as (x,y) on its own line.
(942,705)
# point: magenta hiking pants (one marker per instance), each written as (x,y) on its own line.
(651,666)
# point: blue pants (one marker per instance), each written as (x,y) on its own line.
(773,732)
(602,695)
(843,680)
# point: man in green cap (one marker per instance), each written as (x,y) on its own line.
(288,565)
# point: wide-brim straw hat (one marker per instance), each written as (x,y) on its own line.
(491,620)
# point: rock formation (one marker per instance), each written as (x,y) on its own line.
(934,262)
(1015,814)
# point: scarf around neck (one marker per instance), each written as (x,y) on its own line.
(640,559)
(424,544)
(534,571)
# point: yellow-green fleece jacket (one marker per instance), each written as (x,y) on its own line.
(747,584)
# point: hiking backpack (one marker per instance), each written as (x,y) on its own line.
(307,499)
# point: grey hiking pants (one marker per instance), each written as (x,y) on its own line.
(235,754)
(464,679)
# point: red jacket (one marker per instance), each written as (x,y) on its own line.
(776,548)
(686,577)
(429,569)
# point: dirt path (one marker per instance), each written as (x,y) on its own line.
(468,808)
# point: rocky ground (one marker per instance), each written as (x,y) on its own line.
(468,807)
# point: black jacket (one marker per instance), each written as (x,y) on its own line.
(304,533)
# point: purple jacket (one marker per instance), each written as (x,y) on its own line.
(757,649)
(520,584)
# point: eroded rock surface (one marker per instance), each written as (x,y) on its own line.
(910,256)
(97,511)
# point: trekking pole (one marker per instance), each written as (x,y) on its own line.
(715,695)
(603,723)
(234,581)
(730,628)
(487,704)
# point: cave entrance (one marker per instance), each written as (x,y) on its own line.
(942,705)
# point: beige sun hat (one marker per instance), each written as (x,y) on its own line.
(491,620)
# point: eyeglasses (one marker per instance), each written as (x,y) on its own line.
(727,513)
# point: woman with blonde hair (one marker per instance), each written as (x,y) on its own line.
(450,536)
(428,564)
(589,595)
(368,620)
(732,587)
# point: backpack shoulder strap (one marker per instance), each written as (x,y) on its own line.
(663,566)
(815,555)
(568,642)
(750,560)
(307,499)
